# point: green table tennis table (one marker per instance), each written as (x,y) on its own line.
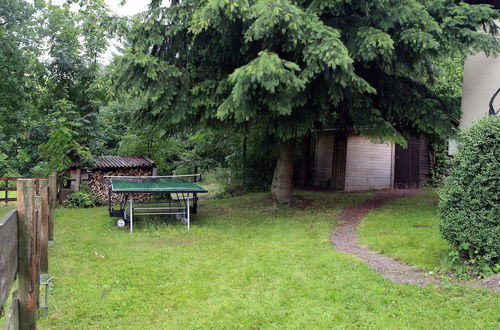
(175,195)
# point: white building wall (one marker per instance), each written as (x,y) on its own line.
(481,81)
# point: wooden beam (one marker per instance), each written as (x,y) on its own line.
(78,179)
(53,191)
(14,178)
(43,218)
(8,254)
(28,267)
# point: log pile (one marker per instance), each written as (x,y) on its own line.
(99,185)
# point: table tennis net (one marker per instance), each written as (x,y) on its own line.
(156,183)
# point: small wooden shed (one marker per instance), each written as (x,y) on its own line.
(93,172)
(351,162)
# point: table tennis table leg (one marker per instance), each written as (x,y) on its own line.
(188,211)
(131,215)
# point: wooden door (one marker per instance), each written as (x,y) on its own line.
(339,161)
(406,167)
(323,160)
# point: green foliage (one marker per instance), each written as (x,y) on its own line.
(62,146)
(470,197)
(467,269)
(449,76)
(440,163)
(273,76)
(81,199)
(242,173)
(48,101)
(220,183)
(289,67)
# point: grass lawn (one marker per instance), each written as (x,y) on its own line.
(245,263)
(6,207)
(406,229)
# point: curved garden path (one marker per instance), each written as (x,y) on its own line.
(344,239)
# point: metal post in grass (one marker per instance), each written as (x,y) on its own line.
(188,212)
(43,218)
(131,214)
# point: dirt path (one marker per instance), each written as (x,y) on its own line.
(344,238)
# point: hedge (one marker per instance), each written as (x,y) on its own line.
(470,198)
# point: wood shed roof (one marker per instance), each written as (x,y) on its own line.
(110,162)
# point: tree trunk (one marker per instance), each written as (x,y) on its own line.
(281,188)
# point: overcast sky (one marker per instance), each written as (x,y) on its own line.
(131,7)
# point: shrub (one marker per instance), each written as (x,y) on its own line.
(82,199)
(220,182)
(470,198)
(440,163)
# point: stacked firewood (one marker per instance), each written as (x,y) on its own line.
(98,184)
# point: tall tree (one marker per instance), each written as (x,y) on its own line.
(76,38)
(18,53)
(287,66)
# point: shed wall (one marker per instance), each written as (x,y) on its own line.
(368,164)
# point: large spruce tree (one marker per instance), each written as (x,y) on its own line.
(290,66)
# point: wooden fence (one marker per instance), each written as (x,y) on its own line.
(6,187)
(25,234)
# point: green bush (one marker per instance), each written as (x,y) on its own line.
(470,198)
(219,182)
(440,163)
(82,199)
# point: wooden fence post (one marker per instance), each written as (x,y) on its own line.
(28,267)
(8,254)
(52,204)
(43,218)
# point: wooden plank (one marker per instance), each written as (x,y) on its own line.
(12,321)
(424,162)
(339,161)
(14,178)
(323,160)
(53,191)
(28,271)
(44,225)
(78,179)
(407,170)
(8,254)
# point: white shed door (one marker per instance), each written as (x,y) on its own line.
(369,165)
